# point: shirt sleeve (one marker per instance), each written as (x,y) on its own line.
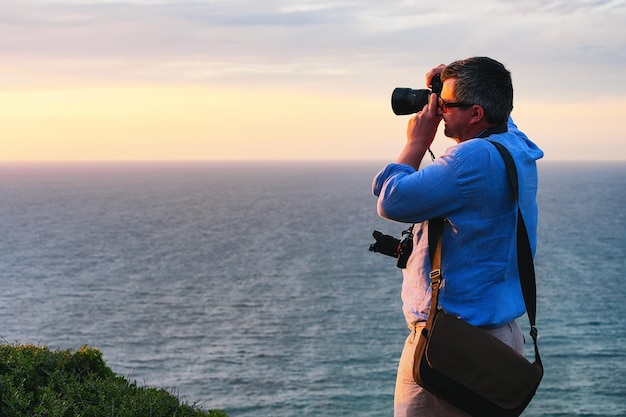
(412,196)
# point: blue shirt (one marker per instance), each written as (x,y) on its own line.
(469,187)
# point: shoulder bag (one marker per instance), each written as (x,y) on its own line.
(463,364)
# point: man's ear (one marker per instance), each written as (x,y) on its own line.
(478,113)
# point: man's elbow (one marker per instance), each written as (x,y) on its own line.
(386,210)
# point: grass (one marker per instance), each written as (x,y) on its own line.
(38,382)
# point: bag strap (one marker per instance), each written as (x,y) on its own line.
(525,262)
(435,237)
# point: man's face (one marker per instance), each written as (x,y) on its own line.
(456,117)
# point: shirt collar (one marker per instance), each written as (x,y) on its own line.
(493,130)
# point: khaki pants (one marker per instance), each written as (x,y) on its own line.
(411,400)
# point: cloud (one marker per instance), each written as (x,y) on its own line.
(563,7)
(343,44)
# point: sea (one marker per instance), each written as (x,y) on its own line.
(248,286)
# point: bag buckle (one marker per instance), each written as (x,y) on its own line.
(435,277)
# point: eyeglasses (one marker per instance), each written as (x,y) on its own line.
(445,105)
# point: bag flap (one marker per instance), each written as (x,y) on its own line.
(479,361)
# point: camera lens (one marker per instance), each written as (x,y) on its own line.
(407,101)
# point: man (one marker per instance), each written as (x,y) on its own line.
(468,186)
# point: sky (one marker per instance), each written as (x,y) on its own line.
(93,80)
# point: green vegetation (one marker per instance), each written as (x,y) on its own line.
(37,382)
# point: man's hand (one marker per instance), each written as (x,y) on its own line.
(422,127)
(431,74)
(421,133)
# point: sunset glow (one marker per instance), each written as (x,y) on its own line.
(112,81)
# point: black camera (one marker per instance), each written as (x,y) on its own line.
(407,100)
(397,248)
